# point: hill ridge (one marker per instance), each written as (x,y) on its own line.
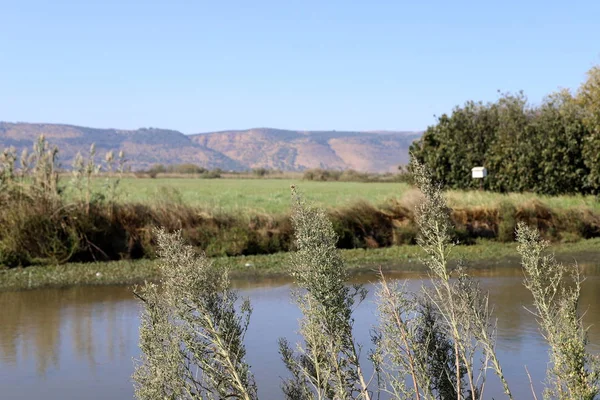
(241,149)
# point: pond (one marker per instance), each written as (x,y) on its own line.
(80,342)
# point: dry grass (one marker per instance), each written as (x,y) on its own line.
(476,198)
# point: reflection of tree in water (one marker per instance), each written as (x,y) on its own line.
(30,327)
(509,298)
(34,323)
(9,327)
(83,333)
(590,302)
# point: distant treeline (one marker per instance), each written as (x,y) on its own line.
(183,169)
(553,148)
(351,175)
(315,174)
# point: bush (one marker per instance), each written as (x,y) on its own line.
(549,149)
(321,175)
(260,171)
(186,169)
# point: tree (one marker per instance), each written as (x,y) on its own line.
(589,97)
(457,143)
(559,133)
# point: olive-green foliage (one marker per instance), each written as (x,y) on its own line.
(38,223)
(180,169)
(325,175)
(559,134)
(573,373)
(456,143)
(328,363)
(192,334)
(550,149)
(589,98)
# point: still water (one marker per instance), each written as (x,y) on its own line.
(79,343)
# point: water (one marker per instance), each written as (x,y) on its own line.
(80,342)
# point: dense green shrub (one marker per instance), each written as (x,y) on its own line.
(553,148)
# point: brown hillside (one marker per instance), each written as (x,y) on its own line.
(229,150)
(143,147)
(297,150)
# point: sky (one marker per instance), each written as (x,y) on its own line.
(198,66)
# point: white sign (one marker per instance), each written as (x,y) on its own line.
(479,172)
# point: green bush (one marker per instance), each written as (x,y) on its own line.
(549,149)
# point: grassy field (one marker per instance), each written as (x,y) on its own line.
(484,254)
(272,196)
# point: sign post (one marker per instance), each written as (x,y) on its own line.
(479,173)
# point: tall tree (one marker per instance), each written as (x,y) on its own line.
(589,97)
(457,143)
(559,132)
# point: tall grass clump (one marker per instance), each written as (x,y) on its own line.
(507,222)
(191,335)
(434,339)
(29,199)
(41,221)
(327,365)
(573,373)
(83,172)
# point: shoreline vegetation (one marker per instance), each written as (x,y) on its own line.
(50,222)
(61,230)
(405,258)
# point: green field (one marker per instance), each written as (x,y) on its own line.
(272,196)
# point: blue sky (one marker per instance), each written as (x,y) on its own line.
(199,66)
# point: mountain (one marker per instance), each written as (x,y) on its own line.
(377,151)
(143,147)
(380,151)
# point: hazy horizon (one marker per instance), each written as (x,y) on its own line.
(377,131)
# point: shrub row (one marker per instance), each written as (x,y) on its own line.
(328,175)
(57,232)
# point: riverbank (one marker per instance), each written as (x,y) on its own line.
(105,219)
(395,258)
(55,231)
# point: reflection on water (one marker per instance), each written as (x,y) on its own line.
(80,342)
(64,343)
